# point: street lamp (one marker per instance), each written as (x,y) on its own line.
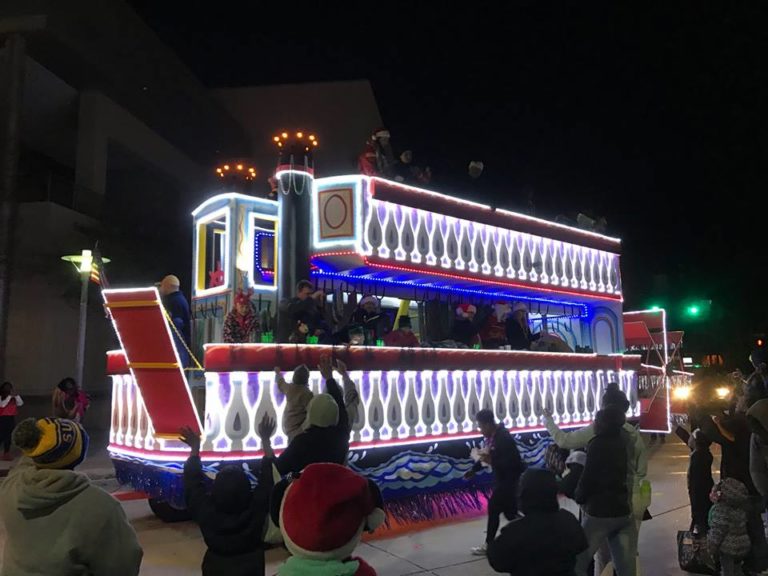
(83,263)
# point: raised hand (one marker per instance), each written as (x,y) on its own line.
(325,367)
(341,367)
(191,439)
(267,427)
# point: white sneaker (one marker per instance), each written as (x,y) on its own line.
(480,550)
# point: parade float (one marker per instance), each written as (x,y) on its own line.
(415,250)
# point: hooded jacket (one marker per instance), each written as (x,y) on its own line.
(546,541)
(319,443)
(59,524)
(232,518)
(602,488)
(728,520)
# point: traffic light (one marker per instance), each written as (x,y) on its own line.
(759,340)
(697,309)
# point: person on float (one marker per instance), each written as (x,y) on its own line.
(375,323)
(304,308)
(637,457)
(242,323)
(57,522)
(10,402)
(403,336)
(177,307)
(502,455)
(231,515)
(519,336)
(322,514)
(493,332)
(326,430)
(465,330)
(546,540)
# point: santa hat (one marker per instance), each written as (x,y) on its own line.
(323,511)
(464,310)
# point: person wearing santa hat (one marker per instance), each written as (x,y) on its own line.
(375,323)
(519,336)
(465,330)
(322,513)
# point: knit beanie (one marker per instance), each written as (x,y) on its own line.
(52,443)
(322,412)
(300,375)
(613,396)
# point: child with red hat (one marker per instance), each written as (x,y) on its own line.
(322,513)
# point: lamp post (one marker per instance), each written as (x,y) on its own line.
(83,263)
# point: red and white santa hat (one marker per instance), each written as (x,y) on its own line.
(464,310)
(324,511)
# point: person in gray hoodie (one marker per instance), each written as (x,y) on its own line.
(727,538)
(57,522)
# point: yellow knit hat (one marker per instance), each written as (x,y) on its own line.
(52,443)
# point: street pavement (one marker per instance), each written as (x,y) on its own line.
(177,549)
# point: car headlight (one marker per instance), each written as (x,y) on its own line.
(723,392)
(681,393)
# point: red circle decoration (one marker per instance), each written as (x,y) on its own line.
(340,223)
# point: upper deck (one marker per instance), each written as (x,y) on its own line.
(370,229)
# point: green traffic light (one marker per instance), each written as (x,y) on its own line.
(694,310)
(655,308)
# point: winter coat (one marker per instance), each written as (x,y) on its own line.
(234,539)
(505,458)
(178,309)
(637,459)
(297,398)
(9,406)
(546,541)
(58,524)
(241,329)
(700,485)
(734,436)
(757,417)
(464,331)
(375,325)
(296,566)
(317,444)
(402,339)
(728,520)
(602,488)
(517,337)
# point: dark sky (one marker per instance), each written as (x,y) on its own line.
(653,115)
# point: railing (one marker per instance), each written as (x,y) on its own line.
(131,426)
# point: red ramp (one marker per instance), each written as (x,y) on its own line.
(139,320)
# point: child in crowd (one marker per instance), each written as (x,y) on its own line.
(9,408)
(727,537)
(297,398)
(232,516)
(700,482)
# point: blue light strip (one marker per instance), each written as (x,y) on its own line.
(266,275)
(449,289)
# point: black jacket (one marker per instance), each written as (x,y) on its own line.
(234,539)
(505,458)
(546,541)
(602,488)
(517,338)
(734,460)
(700,485)
(319,444)
(465,331)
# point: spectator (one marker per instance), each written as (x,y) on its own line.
(519,336)
(493,333)
(403,336)
(727,538)
(757,417)
(57,522)
(502,455)
(700,482)
(605,496)
(546,541)
(297,399)
(465,330)
(177,307)
(574,466)
(232,517)
(69,401)
(326,434)
(9,408)
(637,456)
(242,324)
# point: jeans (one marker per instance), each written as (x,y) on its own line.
(620,534)
(730,565)
(502,501)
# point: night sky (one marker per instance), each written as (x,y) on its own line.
(653,115)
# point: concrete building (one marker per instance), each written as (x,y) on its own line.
(118,141)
